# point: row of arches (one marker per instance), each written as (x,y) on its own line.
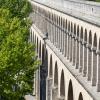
(78,44)
(62,82)
(44,58)
(74,29)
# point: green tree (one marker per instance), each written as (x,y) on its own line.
(18,59)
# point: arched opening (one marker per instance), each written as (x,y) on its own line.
(37,44)
(80,97)
(33,36)
(66,24)
(35,39)
(62,84)
(81,32)
(85,37)
(43,54)
(90,38)
(56,75)
(78,31)
(70,91)
(30,35)
(95,41)
(40,50)
(69,26)
(61,22)
(46,59)
(50,68)
(75,29)
(99,44)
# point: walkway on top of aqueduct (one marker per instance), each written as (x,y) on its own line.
(73,28)
(84,10)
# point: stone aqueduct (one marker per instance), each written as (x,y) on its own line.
(69,49)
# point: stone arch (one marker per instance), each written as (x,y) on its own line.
(99,44)
(46,58)
(69,26)
(81,33)
(43,54)
(50,67)
(80,96)
(70,91)
(35,39)
(37,44)
(75,29)
(61,22)
(40,49)
(85,36)
(66,24)
(90,38)
(95,41)
(56,75)
(62,84)
(78,31)
(30,35)
(33,36)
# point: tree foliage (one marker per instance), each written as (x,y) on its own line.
(18,59)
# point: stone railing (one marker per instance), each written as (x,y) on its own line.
(86,7)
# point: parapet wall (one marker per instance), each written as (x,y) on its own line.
(86,7)
(85,10)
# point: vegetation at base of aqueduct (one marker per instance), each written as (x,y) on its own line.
(17,56)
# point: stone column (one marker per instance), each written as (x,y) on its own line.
(73,49)
(89,62)
(84,60)
(65,44)
(69,43)
(70,49)
(50,31)
(81,58)
(94,67)
(77,59)
(98,70)
(56,34)
(49,89)
(73,52)
(63,41)
(55,93)
(59,37)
